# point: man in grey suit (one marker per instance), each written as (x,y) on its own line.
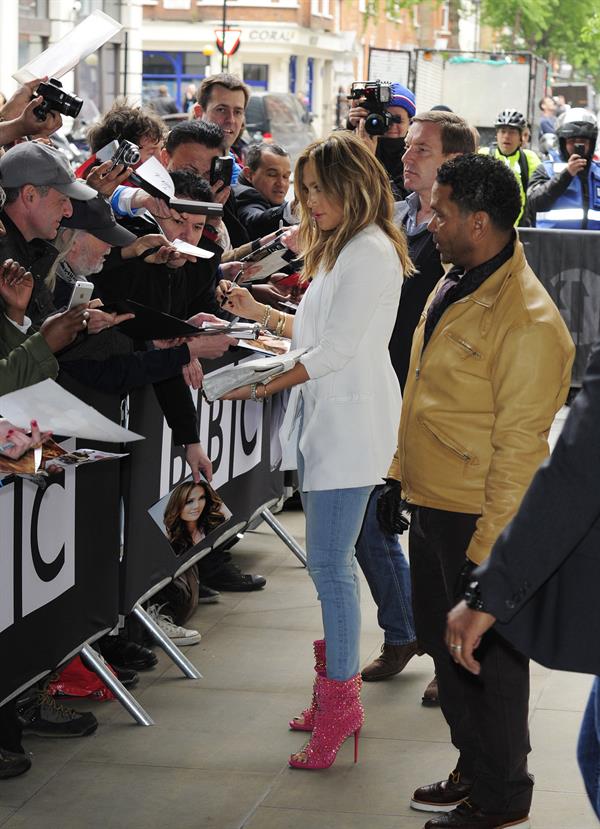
(540,584)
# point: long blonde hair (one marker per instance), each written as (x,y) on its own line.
(349,174)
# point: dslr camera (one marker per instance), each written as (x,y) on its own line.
(56,100)
(377,95)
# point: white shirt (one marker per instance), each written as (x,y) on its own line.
(351,404)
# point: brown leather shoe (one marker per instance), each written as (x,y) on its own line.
(443,796)
(392,660)
(468,815)
(430,694)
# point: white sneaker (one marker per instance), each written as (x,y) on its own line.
(176,633)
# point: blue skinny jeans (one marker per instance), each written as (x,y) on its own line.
(333,521)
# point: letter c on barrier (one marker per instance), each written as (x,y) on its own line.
(47,571)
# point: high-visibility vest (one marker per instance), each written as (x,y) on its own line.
(568,211)
(523,163)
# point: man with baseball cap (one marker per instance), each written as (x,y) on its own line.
(389,148)
(39,186)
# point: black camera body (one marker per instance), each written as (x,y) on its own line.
(127,153)
(377,95)
(56,100)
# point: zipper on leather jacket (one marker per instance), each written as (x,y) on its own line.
(464,456)
(464,344)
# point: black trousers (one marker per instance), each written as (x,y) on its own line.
(487,714)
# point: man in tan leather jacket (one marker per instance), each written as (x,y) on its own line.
(490,367)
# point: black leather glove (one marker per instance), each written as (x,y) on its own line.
(390,507)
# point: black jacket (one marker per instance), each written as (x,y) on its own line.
(38,257)
(415,291)
(256,213)
(541,579)
(235,227)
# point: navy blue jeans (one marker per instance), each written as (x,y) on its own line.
(588,747)
(388,575)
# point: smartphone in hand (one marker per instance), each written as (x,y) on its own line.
(82,293)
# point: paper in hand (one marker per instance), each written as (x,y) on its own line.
(192,250)
(153,173)
(66,53)
(270,258)
(60,412)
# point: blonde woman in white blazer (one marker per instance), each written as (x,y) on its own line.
(340,427)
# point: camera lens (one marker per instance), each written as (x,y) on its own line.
(131,154)
(376,124)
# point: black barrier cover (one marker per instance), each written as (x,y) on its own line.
(567,263)
(59,563)
(240,439)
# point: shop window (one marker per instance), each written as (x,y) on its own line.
(256,75)
(30,46)
(175,70)
(33,8)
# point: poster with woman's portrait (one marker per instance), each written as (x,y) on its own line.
(189,514)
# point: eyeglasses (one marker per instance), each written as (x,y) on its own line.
(396,119)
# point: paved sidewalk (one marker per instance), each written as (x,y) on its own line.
(217,756)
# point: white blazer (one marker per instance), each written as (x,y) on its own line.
(351,404)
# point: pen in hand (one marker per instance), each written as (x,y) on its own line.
(233,282)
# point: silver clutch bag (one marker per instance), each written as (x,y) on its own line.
(228,378)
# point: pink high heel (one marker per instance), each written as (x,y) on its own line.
(339,714)
(305,720)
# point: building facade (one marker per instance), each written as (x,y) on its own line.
(311,48)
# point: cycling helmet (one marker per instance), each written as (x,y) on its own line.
(577,123)
(511,118)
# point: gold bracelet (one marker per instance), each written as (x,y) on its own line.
(266,317)
(280,325)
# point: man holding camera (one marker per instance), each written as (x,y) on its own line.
(381,115)
(564,192)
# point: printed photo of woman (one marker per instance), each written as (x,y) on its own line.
(192,512)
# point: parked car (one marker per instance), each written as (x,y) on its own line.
(281,118)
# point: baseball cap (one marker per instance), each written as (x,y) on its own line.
(402,97)
(96,217)
(43,166)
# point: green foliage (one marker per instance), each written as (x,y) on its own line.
(563,30)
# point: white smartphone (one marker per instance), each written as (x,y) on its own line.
(82,293)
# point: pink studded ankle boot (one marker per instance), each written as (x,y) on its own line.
(339,714)
(305,720)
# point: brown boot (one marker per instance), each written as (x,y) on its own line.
(392,660)
(430,694)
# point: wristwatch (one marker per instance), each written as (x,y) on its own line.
(472,596)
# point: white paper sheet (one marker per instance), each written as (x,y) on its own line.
(66,53)
(62,413)
(185,247)
(158,176)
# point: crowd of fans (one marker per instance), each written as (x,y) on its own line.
(98,224)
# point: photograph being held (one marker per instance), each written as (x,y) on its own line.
(192,512)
